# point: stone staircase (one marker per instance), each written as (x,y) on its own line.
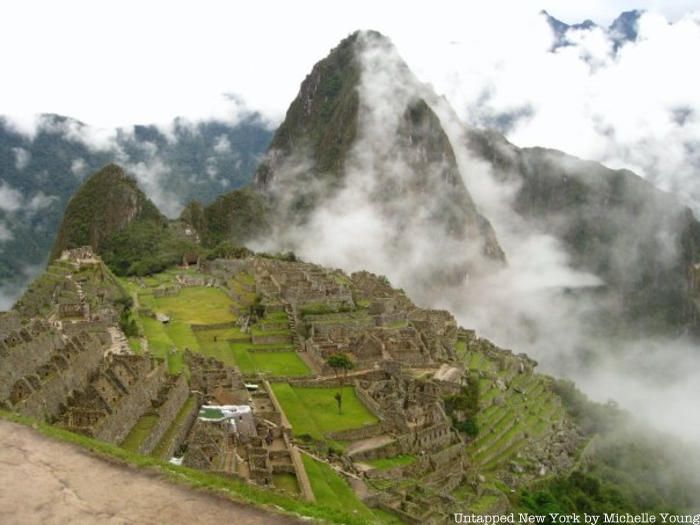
(119,344)
(291,316)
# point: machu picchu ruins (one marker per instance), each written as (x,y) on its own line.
(228,367)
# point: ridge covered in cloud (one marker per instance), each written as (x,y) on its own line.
(628,103)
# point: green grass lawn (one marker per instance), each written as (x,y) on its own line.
(243,359)
(146,300)
(314,411)
(396,461)
(276,316)
(135,344)
(257,330)
(181,335)
(286,481)
(217,343)
(198,305)
(151,281)
(222,334)
(332,490)
(285,363)
(159,343)
(220,350)
(243,285)
(142,429)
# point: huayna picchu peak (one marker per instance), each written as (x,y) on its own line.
(311,342)
(360,129)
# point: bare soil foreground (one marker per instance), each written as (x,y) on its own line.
(50,482)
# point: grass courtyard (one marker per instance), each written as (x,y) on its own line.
(209,306)
(278,363)
(314,411)
(234,348)
(197,305)
(192,305)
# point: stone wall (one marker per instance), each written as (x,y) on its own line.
(20,357)
(167,412)
(433,437)
(302,477)
(283,421)
(207,444)
(215,326)
(272,339)
(354,434)
(68,310)
(388,450)
(76,327)
(80,358)
(224,268)
(166,291)
(273,350)
(182,432)
(448,455)
(128,409)
(370,403)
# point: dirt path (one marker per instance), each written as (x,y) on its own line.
(49,482)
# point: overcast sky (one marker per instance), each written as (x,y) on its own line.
(117,63)
(120,63)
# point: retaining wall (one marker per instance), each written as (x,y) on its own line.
(167,413)
(117,425)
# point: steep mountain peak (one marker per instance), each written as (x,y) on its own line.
(106,202)
(362,146)
(323,117)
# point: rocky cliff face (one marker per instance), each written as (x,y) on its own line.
(105,204)
(640,241)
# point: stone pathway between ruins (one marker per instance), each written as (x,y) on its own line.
(50,482)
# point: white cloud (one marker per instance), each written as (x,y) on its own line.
(78,167)
(10,198)
(222,144)
(488,59)
(22,158)
(40,201)
(224,50)
(152,177)
(635,109)
(5,233)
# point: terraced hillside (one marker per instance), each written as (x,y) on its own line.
(230,367)
(523,429)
